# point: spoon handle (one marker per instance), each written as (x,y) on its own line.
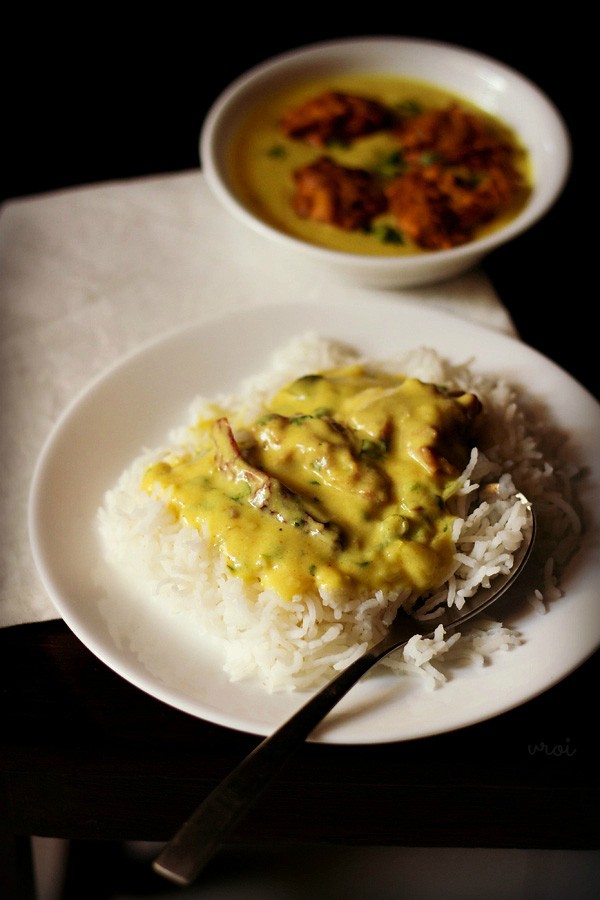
(199,838)
(204,832)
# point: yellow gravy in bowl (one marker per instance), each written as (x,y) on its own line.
(264,161)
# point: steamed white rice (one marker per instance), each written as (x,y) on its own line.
(299,644)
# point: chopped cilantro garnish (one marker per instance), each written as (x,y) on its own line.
(390,165)
(277,151)
(296,420)
(387,234)
(409,108)
(372,449)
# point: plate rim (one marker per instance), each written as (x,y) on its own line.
(148,348)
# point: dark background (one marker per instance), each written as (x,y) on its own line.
(102,97)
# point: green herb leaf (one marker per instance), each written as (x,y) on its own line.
(296,420)
(390,165)
(372,449)
(409,108)
(277,151)
(386,234)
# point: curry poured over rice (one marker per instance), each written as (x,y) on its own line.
(293,521)
(341,483)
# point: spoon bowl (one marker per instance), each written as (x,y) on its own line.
(199,838)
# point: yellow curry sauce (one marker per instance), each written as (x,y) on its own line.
(342,483)
(264,159)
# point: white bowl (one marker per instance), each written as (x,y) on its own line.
(487,83)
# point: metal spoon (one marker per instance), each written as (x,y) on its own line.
(199,838)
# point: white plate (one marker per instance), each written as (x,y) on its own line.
(137,402)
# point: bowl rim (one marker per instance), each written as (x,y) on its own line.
(264,71)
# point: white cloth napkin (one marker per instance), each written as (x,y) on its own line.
(89,273)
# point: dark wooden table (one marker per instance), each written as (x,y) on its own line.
(86,756)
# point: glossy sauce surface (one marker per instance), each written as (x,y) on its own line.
(343,482)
